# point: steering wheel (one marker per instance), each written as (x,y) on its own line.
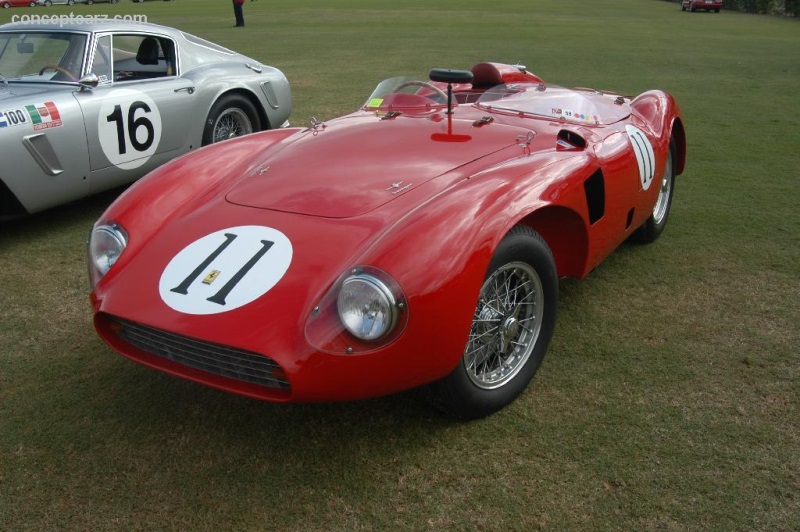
(425,84)
(57,68)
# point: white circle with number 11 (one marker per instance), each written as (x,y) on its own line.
(225,270)
(129,127)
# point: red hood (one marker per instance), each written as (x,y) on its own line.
(370,156)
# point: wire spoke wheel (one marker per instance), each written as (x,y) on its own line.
(665,193)
(231,123)
(511,328)
(506,325)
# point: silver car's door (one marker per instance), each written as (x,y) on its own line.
(43,151)
(137,116)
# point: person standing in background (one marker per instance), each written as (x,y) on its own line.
(238,13)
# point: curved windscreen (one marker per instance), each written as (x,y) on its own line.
(41,56)
(406,93)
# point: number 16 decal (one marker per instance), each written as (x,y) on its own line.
(225,270)
(129,128)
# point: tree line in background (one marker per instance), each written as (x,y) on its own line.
(786,8)
(789,8)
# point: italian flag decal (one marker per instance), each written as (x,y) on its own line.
(44,115)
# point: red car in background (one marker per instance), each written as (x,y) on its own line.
(5,4)
(707,5)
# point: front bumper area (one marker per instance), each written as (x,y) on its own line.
(214,365)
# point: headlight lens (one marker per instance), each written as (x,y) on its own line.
(106,244)
(366,306)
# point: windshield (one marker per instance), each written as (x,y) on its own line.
(41,56)
(526,100)
(406,93)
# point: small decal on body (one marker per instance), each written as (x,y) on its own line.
(225,270)
(39,115)
(645,157)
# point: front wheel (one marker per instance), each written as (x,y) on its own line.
(654,226)
(89,2)
(511,329)
(231,116)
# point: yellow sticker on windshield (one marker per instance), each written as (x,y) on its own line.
(375,102)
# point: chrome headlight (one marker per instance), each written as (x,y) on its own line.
(106,244)
(366,306)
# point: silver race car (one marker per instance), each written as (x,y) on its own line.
(85,107)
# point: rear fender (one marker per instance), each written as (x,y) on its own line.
(662,115)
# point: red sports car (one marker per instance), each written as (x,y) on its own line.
(706,5)
(416,241)
(5,4)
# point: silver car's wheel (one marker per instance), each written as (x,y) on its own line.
(506,325)
(230,124)
(231,116)
(511,329)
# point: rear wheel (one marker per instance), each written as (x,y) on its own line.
(231,116)
(511,329)
(654,226)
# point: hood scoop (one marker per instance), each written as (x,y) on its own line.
(357,164)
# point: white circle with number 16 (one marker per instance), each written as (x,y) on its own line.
(129,127)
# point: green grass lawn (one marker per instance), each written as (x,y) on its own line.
(668,400)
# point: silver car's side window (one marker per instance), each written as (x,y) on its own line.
(137,57)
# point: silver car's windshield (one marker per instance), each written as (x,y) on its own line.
(41,56)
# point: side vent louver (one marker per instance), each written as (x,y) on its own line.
(595,188)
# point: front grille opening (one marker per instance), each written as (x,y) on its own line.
(211,358)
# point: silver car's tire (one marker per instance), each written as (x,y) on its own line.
(230,117)
(511,329)
(655,224)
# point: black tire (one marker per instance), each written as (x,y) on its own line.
(32,4)
(231,116)
(70,2)
(655,224)
(6,5)
(89,2)
(48,3)
(510,352)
